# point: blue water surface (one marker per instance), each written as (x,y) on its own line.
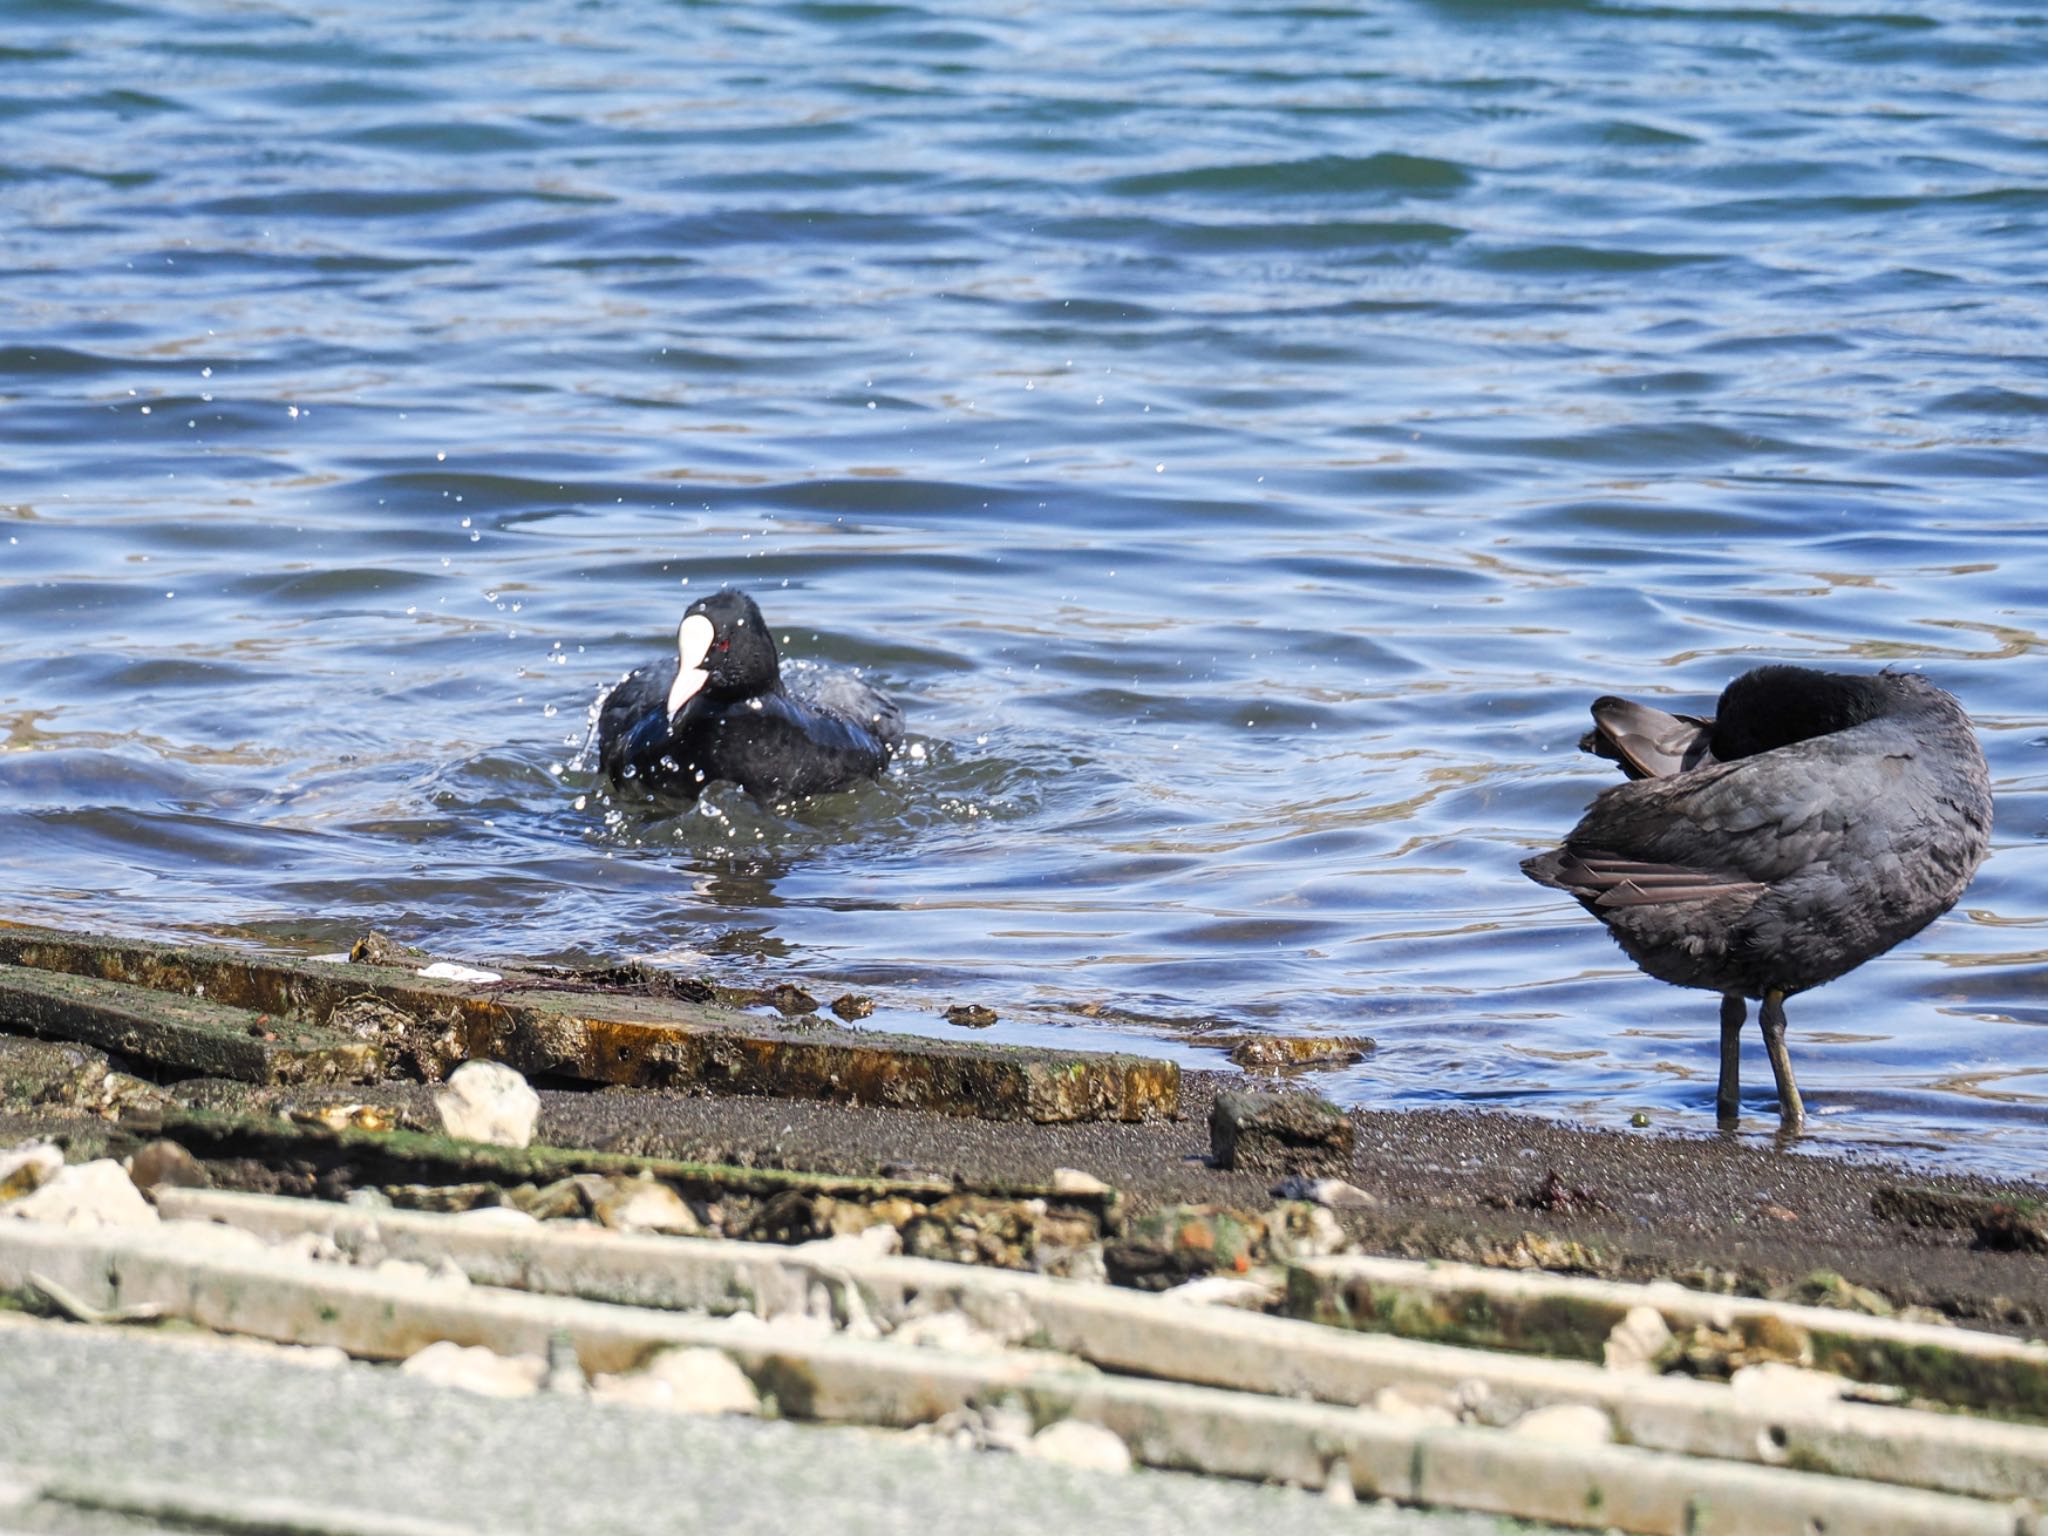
(1246,436)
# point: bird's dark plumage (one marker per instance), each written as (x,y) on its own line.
(721,708)
(1814,822)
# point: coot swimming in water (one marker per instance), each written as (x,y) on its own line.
(720,708)
(1815,821)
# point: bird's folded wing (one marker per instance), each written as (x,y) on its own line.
(1840,800)
(1647,742)
(1614,881)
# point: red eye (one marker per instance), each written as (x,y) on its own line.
(724,645)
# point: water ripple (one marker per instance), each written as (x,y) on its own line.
(1245,439)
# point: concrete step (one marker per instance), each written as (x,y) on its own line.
(1571,1318)
(1154,1336)
(184,1272)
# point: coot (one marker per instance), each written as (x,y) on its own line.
(720,708)
(1815,821)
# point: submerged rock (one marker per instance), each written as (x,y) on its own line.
(378,949)
(488,1101)
(789,999)
(1273,1052)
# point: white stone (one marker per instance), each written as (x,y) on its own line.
(1073,1443)
(1571,1424)
(488,1101)
(1637,1342)
(28,1167)
(683,1381)
(474,1368)
(1077,1181)
(447,970)
(1331,1192)
(96,1194)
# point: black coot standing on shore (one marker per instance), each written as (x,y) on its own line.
(720,708)
(1815,821)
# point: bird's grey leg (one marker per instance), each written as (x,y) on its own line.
(1728,1097)
(1771,1020)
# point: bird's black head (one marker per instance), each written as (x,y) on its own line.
(1777,705)
(723,652)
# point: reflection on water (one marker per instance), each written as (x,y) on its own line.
(1246,439)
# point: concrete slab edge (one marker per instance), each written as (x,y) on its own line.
(836,1379)
(1148,1335)
(1570,1317)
